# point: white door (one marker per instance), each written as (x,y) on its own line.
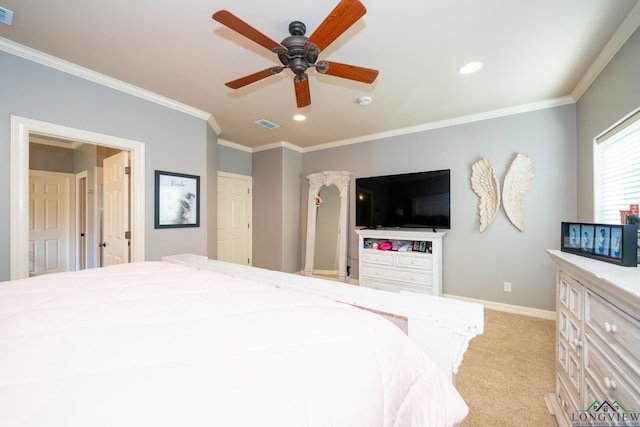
(234,218)
(82,223)
(98,237)
(116,208)
(50,239)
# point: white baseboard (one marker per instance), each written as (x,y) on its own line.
(515,309)
(492,305)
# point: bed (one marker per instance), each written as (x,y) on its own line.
(188,341)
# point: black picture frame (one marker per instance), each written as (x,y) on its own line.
(613,243)
(177,200)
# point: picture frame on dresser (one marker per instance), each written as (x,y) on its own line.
(613,243)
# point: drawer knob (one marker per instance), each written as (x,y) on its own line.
(610,383)
(577,342)
(610,328)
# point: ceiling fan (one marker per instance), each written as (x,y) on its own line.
(298,53)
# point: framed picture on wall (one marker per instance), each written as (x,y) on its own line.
(177,200)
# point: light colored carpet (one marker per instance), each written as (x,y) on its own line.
(507,372)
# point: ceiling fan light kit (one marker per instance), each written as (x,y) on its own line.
(299,53)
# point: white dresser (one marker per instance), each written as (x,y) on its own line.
(597,343)
(398,270)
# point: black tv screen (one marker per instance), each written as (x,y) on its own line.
(411,200)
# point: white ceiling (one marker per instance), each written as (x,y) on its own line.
(536,53)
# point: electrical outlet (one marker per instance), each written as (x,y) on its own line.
(507,286)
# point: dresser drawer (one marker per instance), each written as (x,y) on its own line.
(375,256)
(423,262)
(617,330)
(565,398)
(606,379)
(417,277)
(385,285)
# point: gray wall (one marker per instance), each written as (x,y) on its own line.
(174,141)
(276,209)
(267,209)
(615,93)
(210,209)
(291,219)
(477,264)
(234,161)
(51,158)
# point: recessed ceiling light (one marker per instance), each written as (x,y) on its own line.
(471,67)
(299,117)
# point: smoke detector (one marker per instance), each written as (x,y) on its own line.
(365,100)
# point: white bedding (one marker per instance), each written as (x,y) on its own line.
(162,344)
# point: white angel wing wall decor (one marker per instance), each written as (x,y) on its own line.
(485,184)
(517,182)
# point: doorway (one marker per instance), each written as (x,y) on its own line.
(234,218)
(21,130)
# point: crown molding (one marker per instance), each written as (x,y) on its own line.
(233,145)
(101,79)
(280,144)
(619,38)
(214,125)
(503,112)
(71,144)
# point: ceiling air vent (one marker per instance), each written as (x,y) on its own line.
(6,16)
(267,124)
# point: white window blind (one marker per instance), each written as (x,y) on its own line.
(617,169)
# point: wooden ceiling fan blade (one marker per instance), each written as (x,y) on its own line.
(303,93)
(343,16)
(346,71)
(239,26)
(252,78)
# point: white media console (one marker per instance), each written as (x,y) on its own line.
(413,264)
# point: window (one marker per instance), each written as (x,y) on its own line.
(617,169)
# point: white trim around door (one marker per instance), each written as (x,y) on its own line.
(21,128)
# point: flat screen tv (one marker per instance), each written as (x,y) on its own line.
(411,200)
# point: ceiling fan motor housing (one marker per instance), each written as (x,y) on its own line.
(299,56)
